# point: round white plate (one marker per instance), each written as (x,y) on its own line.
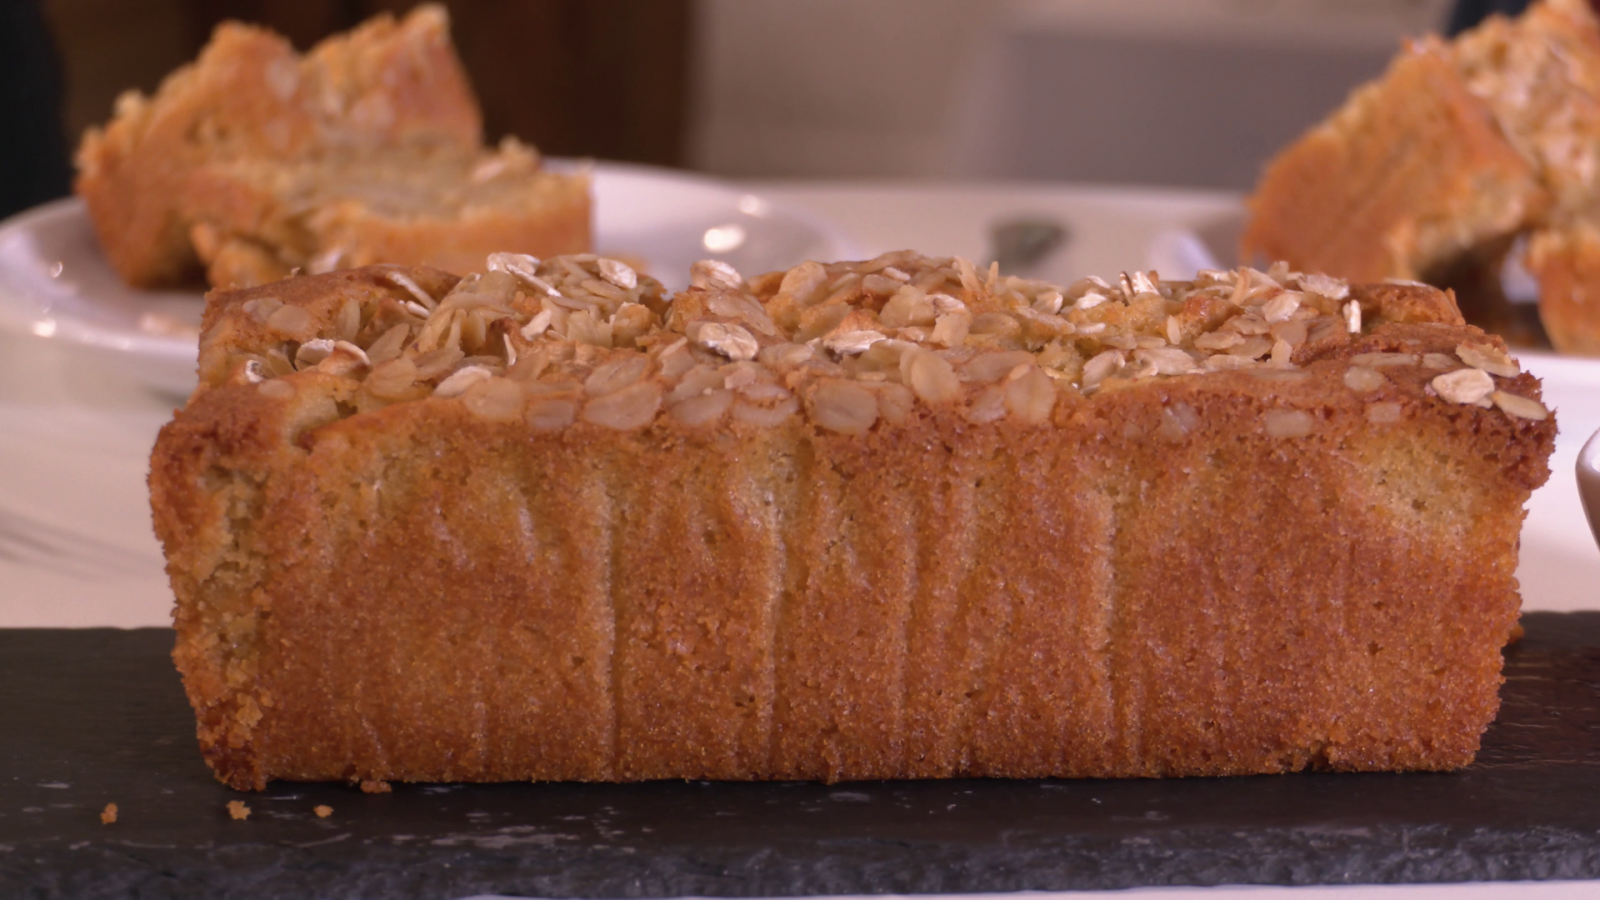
(55,282)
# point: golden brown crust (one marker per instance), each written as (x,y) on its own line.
(1274,564)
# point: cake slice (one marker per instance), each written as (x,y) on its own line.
(899,518)
(1434,170)
(255,221)
(1412,174)
(255,160)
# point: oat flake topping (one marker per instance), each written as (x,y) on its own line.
(586,338)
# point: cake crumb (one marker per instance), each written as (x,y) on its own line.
(238,810)
(109,814)
(375,786)
(322,810)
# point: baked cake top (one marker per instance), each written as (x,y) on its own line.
(586,339)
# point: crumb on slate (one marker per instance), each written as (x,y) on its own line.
(238,810)
(109,814)
(322,810)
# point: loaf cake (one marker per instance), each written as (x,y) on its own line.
(1434,170)
(901,518)
(255,161)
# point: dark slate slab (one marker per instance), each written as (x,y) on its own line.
(97,716)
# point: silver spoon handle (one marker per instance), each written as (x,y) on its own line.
(1589,482)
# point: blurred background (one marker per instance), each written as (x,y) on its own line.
(1196,93)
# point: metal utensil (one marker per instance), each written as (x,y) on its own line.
(29,541)
(1589,482)
(1021,243)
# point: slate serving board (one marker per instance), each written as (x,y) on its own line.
(89,717)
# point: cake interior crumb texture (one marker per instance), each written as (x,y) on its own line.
(1439,168)
(899,518)
(256,161)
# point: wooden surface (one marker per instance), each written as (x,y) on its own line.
(601,78)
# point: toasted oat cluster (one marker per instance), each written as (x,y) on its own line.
(585,338)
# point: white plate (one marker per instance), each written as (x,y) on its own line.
(56,283)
